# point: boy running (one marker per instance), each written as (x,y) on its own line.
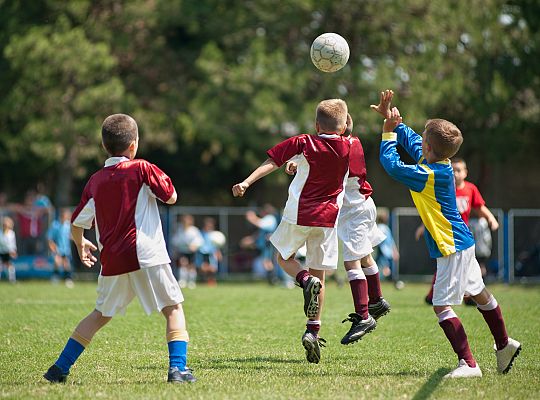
(120,201)
(310,215)
(432,187)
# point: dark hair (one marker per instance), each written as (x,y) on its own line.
(118,132)
(444,137)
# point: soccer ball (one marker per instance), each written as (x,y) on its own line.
(217,238)
(329,52)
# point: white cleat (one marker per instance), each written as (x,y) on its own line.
(506,356)
(464,371)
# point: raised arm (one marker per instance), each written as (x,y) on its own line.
(414,176)
(483,211)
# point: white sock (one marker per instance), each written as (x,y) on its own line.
(355,274)
(372,270)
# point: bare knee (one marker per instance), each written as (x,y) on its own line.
(440,309)
(367,261)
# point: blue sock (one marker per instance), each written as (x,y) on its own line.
(69,355)
(177,354)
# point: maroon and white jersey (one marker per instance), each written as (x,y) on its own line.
(316,192)
(357,189)
(121,198)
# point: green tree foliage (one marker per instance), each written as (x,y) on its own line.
(213,84)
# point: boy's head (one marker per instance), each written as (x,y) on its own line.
(120,135)
(460,170)
(331,116)
(209,224)
(187,220)
(65,214)
(442,139)
(7,223)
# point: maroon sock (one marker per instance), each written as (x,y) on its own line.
(313,327)
(374,288)
(429,296)
(301,277)
(359,289)
(453,329)
(495,321)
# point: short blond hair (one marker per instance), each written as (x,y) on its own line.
(332,115)
(444,138)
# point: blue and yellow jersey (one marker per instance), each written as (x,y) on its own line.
(432,189)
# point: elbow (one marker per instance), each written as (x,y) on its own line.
(173,198)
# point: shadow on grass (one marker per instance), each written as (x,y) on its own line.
(247,362)
(431,384)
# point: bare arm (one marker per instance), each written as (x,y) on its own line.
(483,211)
(264,169)
(84,246)
(173,198)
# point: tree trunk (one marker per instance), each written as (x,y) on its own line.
(64,178)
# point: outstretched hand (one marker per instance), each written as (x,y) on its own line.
(383,107)
(239,189)
(393,120)
(85,250)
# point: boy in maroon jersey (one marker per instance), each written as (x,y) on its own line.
(357,229)
(120,201)
(311,213)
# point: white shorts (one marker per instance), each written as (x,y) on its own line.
(457,274)
(321,244)
(155,287)
(357,229)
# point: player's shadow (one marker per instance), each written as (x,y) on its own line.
(431,384)
(248,362)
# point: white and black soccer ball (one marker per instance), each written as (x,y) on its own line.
(330,52)
(218,239)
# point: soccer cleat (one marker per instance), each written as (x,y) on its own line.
(177,376)
(312,288)
(359,328)
(313,343)
(464,371)
(378,309)
(506,356)
(55,375)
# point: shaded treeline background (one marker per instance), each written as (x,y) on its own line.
(214,83)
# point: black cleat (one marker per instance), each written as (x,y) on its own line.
(359,328)
(313,343)
(380,308)
(177,376)
(312,288)
(55,375)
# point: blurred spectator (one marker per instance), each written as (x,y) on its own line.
(266,224)
(30,225)
(483,242)
(387,252)
(209,254)
(8,249)
(185,242)
(59,235)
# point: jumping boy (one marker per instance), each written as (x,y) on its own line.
(432,187)
(357,229)
(310,215)
(120,200)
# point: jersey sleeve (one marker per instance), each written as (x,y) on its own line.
(410,141)
(414,176)
(284,151)
(158,182)
(84,214)
(477,200)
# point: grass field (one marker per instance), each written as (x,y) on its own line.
(245,344)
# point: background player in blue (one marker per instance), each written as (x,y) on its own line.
(431,183)
(59,239)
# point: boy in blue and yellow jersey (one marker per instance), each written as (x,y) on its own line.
(432,187)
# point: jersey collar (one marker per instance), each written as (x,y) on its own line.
(115,160)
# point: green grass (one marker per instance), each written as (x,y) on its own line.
(245,344)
